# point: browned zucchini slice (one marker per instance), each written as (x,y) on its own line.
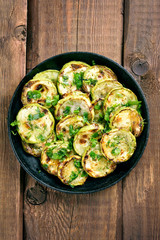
(52,155)
(71,76)
(75,103)
(35,123)
(87,136)
(128,119)
(69,126)
(117,98)
(36,148)
(48,74)
(118,145)
(95,73)
(103,87)
(70,171)
(40,91)
(95,164)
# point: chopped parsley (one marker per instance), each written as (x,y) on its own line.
(45,166)
(77,110)
(84,174)
(36,116)
(85,117)
(95,156)
(73,176)
(72,131)
(91,81)
(77,163)
(60,155)
(93,63)
(98,106)
(78,79)
(60,136)
(41,137)
(67,110)
(53,101)
(34,94)
(14,123)
(116,151)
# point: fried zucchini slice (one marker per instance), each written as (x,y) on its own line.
(48,74)
(69,126)
(35,123)
(87,136)
(98,111)
(129,119)
(95,73)
(95,164)
(36,148)
(118,145)
(71,76)
(70,171)
(40,91)
(75,103)
(102,88)
(52,156)
(117,98)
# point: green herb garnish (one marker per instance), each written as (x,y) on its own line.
(77,163)
(73,176)
(72,131)
(34,94)
(78,79)
(77,110)
(116,151)
(67,110)
(36,116)
(91,81)
(85,117)
(53,101)
(92,155)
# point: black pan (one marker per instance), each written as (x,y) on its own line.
(32,165)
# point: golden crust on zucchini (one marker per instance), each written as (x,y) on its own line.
(52,156)
(70,171)
(87,136)
(118,145)
(36,148)
(129,119)
(95,164)
(95,73)
(71,76)
(103,87)
(35,123)
(117,98)
(74,103)
(48,74)
(38,91)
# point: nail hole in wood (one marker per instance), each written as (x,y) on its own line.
(140,67)
(20,32)
(36,195)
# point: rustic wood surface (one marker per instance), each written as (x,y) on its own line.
(126,31)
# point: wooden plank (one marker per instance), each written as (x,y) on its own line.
(141,206)
(99,215)
(13,14)
(63,216)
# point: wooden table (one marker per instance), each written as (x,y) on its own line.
(128,31)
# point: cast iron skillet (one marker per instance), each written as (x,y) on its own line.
(32,165)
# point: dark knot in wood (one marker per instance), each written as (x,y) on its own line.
(36,195)
(20,32)
(140,67)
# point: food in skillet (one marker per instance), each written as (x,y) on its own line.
(97,121)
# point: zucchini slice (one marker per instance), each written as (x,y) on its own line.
(87,136)
(70,171)
(35,123)
(48,74)
(117,98)
(98,111)
(102,88)
(36,148)
(118,145)
(129,119)
(52,155)
(40,91)
(95,164)
(73,103)
(95,73)
(71,76)
(69,126)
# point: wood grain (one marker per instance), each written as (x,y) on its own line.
(69,26)
(141,205)
(13,14)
